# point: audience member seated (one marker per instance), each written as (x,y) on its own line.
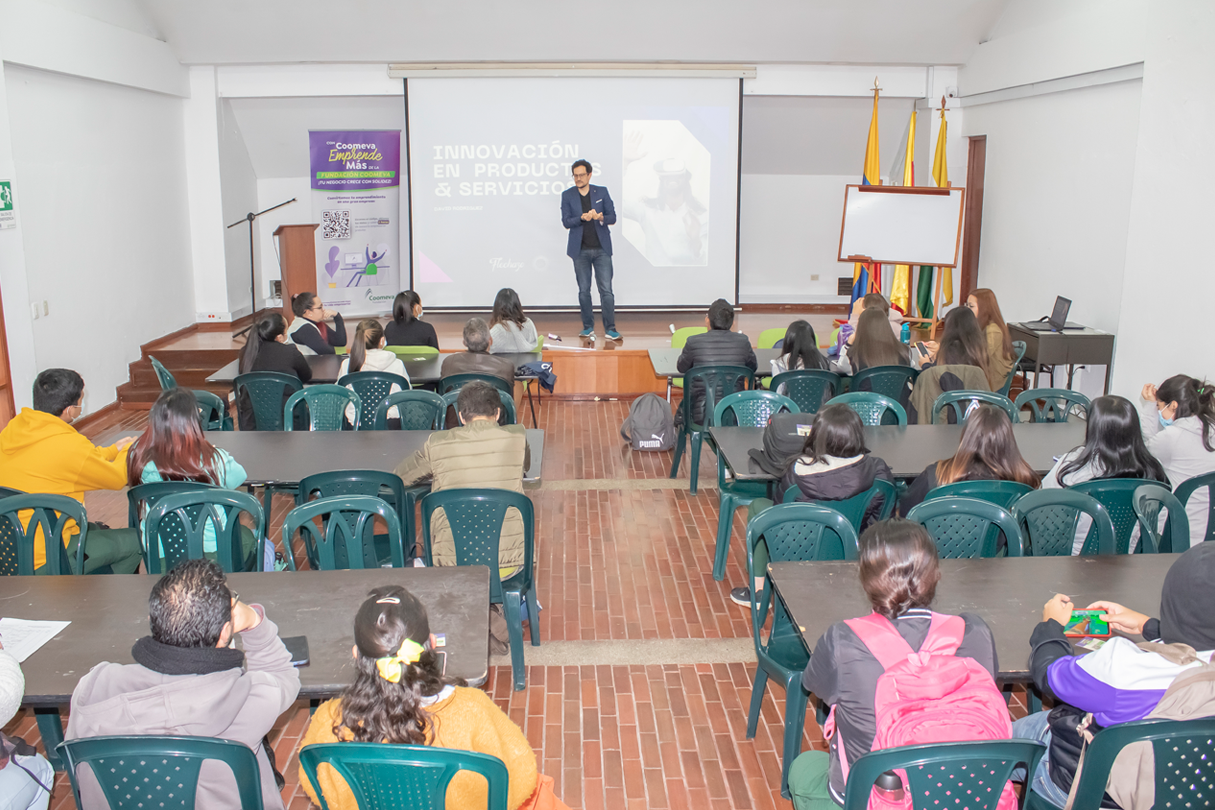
(1000,354)
(958,363)
(1178,422)
(869,301)
(267,349)
(41,452)
(834,465)
(407,327)
(26,778)
(509,329)
(401,696)
(308,330)
(480,454)
(368,354)
(799,350)
(1113,448)
(872,344)
(899,571)
(173,447)
(478,360)
(987,452)
(188,680)
(962,343)
(1123,681)
(717,347)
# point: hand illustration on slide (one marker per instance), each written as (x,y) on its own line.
(331,266)
(634,149)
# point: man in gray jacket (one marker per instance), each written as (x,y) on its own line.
(189,682)
(717,347)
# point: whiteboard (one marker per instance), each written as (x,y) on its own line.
(898,225)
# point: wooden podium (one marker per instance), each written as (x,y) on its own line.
(297,261)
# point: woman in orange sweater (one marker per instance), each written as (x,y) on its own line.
(400,695)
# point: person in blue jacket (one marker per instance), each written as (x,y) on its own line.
(587,211)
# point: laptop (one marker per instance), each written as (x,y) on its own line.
(1057,321)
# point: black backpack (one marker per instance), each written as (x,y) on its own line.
(649,425)
(784,437)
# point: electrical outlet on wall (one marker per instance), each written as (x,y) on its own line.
(814,277)
(35,311)
(46,308)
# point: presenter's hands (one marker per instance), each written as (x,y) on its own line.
(1121,618)
(1058,608)
(588,216)
(1148,393)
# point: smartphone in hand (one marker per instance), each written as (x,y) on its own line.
(1086,623)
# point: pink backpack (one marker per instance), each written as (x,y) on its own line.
(930,696)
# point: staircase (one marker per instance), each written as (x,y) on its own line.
(190,355)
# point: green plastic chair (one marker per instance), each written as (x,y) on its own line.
(454,382)
(418,410)
(1057,404)
(267,391)
(1182,751)
(787,532)
(871,407)
(326,406)
(475,517)
(1019,350)
(386,486)
(1116,495)
(51,514)
(809,388)
(1001,493)
(1188,488)
(895,382)
(1049,517)
(854,508)
(148,771)
(947,774)
(508,405)
(373,387)
(679,339)
(767,339)
(347,542)
(213,411)
(413,352)
(746,409)
(143,497)
(177,523)
(1174,538)
(961,401)
(403,777)
(717,382)
(162,374)
(961,527)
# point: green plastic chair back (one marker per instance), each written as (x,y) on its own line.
(808,387)
(50,513)
(1052,404)
(142,497)
(871,407)
(373,387)
(413,352)
(712,383)
(326,407)
(1116,495)
(213,411)
(1188,488)
(454,382)
(178,522)
(679,339)
(267,391)
(961,527)
(1174,538)
(347,542)
(403,777)
(1182,750)
(854,508)
(964,402)
(508,405)
(1018,352)
(138,773)
(895,382)
(751,408)
(969,774)
(162,374)
(767,339)
(1001,493)
(475,517)
(417,410)
(386,486)
(1049,519)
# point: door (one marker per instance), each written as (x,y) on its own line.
(6,381)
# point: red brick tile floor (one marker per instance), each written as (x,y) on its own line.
(623,555)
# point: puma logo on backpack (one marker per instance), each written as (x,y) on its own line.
(649,425)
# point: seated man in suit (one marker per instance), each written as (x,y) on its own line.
(478,360)
(717,347)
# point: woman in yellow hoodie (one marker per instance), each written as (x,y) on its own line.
(400,695)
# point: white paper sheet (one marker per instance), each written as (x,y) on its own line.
(22,637)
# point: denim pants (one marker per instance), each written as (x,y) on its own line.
(602,264)
(1035,727)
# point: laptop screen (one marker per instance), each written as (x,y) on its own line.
(1058,318)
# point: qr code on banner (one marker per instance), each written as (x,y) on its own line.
(335,224)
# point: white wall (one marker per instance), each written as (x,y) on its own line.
(104,221)
(18,326)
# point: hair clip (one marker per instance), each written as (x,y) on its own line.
(391,667)
(388,600)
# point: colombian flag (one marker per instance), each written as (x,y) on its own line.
(867,278)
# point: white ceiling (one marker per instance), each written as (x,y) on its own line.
(871,32)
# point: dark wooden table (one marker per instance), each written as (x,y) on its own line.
(1007,593)
(325,367)
(284,457)
(1071,348)
(908,450)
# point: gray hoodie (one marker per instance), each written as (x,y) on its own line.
(234,704)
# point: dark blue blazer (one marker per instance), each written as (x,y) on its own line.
(571,217)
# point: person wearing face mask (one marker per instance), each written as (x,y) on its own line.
(1178,422)
(407,327)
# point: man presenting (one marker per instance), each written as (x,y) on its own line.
(587,211)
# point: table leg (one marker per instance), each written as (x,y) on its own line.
(668,389)
(51,729)
(530,403)
(1071,370)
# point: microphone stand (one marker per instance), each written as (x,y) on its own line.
(249,217)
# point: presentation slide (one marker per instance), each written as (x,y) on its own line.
(489,159)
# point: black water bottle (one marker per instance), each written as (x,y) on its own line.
(889,786)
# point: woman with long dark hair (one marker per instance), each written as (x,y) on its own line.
(962,343)
(400,695)
(266,349)
(1000,354)
(407,327)
(308,329)
(799,350)
(987,452)
(509,329)
(872,344)
(1178,422)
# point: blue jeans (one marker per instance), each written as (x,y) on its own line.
(602,264)
(1035,727)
